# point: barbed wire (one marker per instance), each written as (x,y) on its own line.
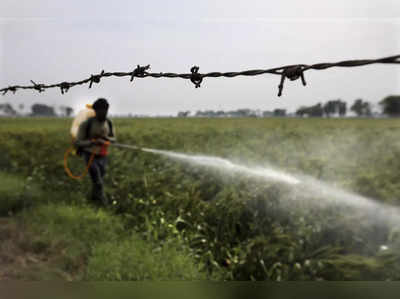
(292,72)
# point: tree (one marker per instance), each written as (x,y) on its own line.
(335,107)
(316,110)
(183,113)
(7,109)
(69,111)
(220,113)
(301,111)
(42,110)
(244,112)
(361,108)
(66,110)
(342,108)
(279,112)
(311,111)
(357,107)
(391,105)
(329,108)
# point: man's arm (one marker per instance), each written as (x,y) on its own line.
(111,135)
(81,140)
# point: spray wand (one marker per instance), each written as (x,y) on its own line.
(126,146)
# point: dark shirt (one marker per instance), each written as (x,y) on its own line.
(97,130)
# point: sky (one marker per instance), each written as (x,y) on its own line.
(55,41)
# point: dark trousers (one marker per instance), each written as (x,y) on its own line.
(97,170)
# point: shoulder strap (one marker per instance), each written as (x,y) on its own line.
(89,126)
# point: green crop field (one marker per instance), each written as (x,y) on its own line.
(170,220)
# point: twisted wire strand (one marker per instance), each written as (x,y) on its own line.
(292,72)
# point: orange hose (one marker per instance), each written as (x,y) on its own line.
(68,171)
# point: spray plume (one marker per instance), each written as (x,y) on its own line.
(302,186)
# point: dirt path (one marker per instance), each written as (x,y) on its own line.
(20,257)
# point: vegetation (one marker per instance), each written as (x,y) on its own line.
(170,221)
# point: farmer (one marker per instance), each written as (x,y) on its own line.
(94,136)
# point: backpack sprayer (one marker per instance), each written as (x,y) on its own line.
(82,116)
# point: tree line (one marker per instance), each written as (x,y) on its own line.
(36,109)
(390,106)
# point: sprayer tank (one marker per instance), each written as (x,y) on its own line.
(82,115)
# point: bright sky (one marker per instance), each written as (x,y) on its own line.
(55,41)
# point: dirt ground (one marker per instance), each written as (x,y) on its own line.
(21,258)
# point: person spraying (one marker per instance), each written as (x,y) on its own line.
(94,135)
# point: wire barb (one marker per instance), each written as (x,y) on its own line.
(10,88)
(64,86)
(95,78)
(140,71)
(38,87)
(196,77)
(292,73)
